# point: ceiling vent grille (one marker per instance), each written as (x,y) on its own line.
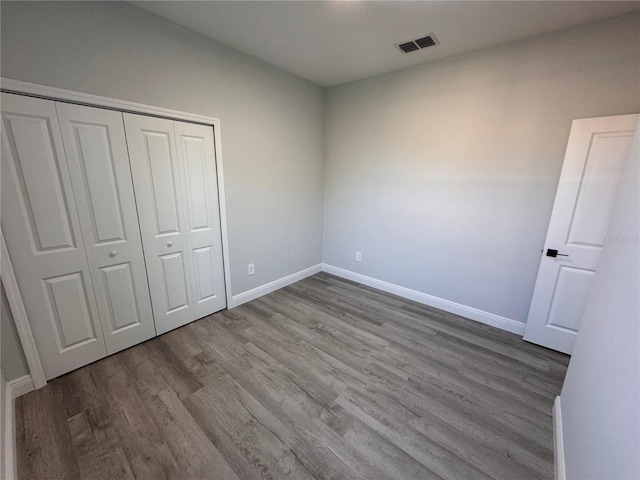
(422,42)
(408,47)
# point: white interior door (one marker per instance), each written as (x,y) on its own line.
(196,156)
(595,158)
(161,212)
(42,231)
(96,149)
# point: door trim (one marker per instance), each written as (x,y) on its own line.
(560,469)
(8,85)
(19,87)
(20,317)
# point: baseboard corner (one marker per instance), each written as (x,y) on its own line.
(20,386)
(560,472)
(14,389)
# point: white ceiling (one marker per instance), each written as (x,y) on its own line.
(333,42)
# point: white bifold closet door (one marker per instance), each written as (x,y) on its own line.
(41,227)
(69,219)
(174,174)
(98,160)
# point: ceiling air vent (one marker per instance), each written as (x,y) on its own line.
(408,47)
(423,42)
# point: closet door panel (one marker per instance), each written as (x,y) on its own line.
(89,146)
(122,300)
(159,194)
(161,164)
(41,226)
(39,182)
(174,279)
(68,302)
(96,148)
(205,270)
(196,153)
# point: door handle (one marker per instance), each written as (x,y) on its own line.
(169,244)
(113,253)
(554,253)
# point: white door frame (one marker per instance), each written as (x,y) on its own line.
(58,94)
(20,317)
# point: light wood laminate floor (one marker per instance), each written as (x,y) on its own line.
(324,379)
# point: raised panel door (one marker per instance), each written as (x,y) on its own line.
(41,227)
(96,149)
(196,154)
(161,212)
(594,161)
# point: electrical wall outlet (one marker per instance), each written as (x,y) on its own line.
(251,269)
(358,256)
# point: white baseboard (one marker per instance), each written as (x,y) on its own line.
(20,386)
(14,389)
(9,436)
(558,442)
(481,316)
(252,294)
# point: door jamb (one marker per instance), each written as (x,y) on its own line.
(20,317)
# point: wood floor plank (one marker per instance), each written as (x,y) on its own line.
(43,440)
(121,408)
(389,459)
(250,446)
(97,448)
(429,453)
(156,464)
(197,457)
(459,430)
(323,379)
(453,402)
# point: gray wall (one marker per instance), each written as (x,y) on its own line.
(601,392)
(444,175)
(272,121)
(12,359)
